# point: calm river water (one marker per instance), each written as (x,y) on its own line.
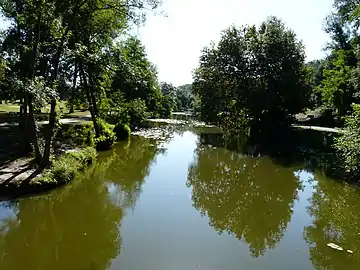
(188,206)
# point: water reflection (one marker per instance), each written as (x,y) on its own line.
(247,197)
(335,210)
(125,168)
(250,200)
(77,226)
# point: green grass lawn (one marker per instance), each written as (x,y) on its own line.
(62,108)
(9,108)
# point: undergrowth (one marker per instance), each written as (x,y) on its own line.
(65,167)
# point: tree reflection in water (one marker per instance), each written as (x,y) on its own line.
(335,208)
(125,169)
(250,198)
(77,226)
(72,228)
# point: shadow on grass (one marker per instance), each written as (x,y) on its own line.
(11,138)
(19,183)
(10,145)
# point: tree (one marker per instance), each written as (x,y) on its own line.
(337,91)
(185,97)
(53,44)
(337,87)
(258,74)
(135,76)
(316,69)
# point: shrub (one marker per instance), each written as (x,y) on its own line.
(78,134)
(137,112)
(117,114)
(107,137)
(66,167)
(348,144)
(133,113)
(122,131)
(86,156)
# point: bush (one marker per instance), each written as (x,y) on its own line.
(137,112)
(66,167)
(348,144)
(122,131)
(107,137)
(86,156)
(133,113)
(78,134)
(166,106)
(116,114)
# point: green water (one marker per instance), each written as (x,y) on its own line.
(187,206)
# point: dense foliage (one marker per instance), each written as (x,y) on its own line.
(254,80)
(79,52)
(348,145)
(340,86)
(253,76)
(179,98)
(336,80)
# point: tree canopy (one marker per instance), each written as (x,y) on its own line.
(253,73)
(75,51)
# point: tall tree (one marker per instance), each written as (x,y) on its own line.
(254,73)
(52,43)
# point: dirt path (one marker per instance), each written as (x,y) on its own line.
(17,170)
(324,129)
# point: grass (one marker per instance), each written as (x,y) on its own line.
(61,108)
(66,167)
(9,108)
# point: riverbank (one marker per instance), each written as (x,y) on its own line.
(22,176)
(19,175)
(136,196)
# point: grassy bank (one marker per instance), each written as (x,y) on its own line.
(74,148)
(63,169)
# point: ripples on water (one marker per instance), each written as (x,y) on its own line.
(192,204)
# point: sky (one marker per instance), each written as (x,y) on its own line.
(174,43)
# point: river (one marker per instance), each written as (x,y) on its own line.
(189,205)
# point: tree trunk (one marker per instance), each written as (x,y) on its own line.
(23,129)
(50,133)
(93,99)
(31,123)
(92,95)
(52,116)
(90,101)
(33,130)
(72,98)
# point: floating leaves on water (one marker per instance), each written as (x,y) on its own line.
(350,251)
(335,246)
